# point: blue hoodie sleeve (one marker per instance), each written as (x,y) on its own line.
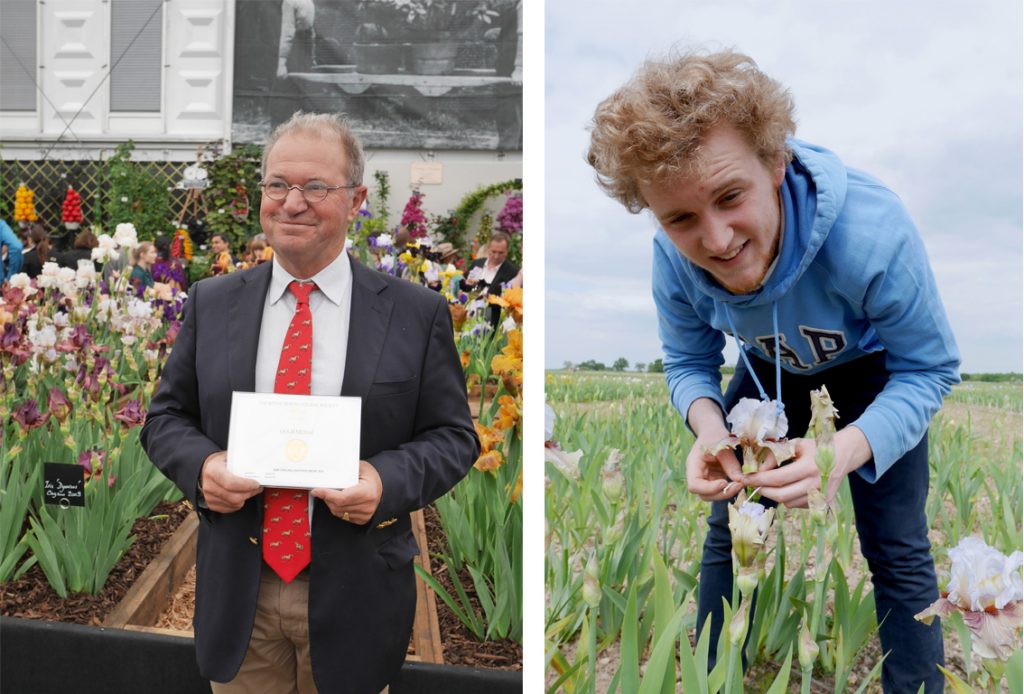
(901,301)
(10,239)
(693,349)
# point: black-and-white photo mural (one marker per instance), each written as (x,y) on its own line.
(419,74)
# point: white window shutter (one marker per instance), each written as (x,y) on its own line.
(136,50)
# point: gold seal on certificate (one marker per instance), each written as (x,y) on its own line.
(301,441)
(296,450)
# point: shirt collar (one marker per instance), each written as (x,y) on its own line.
(331,281)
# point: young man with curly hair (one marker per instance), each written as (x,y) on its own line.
(819,270)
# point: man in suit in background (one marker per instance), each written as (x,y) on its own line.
(336,610)
(493,271)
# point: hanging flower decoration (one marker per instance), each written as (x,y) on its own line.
(240,205)
(413,219)
(24,204)
(71,210)
(510,219)
(181,247)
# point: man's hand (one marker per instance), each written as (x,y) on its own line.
(360,501)
(790,483)
(711,477)
(225,492)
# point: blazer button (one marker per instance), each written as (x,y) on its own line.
(254,540)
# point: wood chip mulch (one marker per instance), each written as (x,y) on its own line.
(460,646)
(32,597)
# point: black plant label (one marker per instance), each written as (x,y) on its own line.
(63,484)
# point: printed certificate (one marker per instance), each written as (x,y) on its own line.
(300,441)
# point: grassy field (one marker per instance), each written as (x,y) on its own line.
(620,517)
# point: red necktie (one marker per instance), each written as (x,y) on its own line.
(286,536)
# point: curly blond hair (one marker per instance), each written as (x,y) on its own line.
(651,129)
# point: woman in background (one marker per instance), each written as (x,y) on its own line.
(143,258)
(38,251)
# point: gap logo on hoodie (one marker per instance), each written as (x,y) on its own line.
(824,344)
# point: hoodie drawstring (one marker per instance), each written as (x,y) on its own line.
(778,359)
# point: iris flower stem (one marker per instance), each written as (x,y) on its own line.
(734,658)
(735,650)
(592,647)
(805,681)
(819,594)
(819,587)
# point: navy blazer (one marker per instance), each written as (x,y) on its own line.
(416,431)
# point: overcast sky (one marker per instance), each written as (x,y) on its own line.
(924,95)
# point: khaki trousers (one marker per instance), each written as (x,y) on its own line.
(277,661)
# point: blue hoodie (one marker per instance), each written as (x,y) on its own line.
(10,239)
(852,278)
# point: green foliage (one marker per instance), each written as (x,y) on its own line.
(135,194)
(656,367)
(199,267)
(454,227)
(233,196)
(993,377)
(482,517)
(990,393)
(17,480)
(976,489)
(620,364)
(591,365)
(77,547)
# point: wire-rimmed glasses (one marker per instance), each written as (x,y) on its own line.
(313,192)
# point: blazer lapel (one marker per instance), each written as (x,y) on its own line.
(367,328)
(244,317)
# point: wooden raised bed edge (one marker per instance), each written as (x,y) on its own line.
(426,629)
(154,589)
(150,595)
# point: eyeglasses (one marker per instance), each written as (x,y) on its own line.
(313,192)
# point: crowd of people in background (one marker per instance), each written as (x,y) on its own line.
(153,266)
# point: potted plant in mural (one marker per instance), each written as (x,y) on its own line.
(437,26)
(377,46)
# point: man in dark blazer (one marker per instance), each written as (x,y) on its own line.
(493,271)
(416,436)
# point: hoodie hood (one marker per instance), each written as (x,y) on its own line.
(813,193)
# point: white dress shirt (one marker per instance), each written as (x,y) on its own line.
(330,305)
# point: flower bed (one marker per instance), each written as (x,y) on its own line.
(31,596)
(80,353)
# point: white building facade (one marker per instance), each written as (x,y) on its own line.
(80,76)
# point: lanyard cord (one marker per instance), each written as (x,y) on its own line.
(778,360)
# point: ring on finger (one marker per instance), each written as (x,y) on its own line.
(345,517)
